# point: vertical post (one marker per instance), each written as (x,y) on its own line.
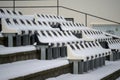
(57,7)
(43,53)
(80,67)
(18,40)
(49,55)
(112,56)
(13,5)
(10,40)
(86,20)
(75,67)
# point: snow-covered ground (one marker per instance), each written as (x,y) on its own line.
(21,68)
(118,78)
(9,50)
(96,74)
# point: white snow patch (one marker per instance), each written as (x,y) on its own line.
(1,46)
(9,50)
(96,74)
(22,68)
(1,34)
(118,78)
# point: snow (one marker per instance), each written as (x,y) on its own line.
(96,74)
(21,68)
(9,50)
(118,78)
(1,34)
(1,46)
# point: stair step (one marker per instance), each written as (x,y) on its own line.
(31,69)
(12,54)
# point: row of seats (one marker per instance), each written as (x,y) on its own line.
(57,41)
(27,29)
(55,20)
(67,25)
(4,13)
(89,55)
(71,26)
(46,34)
(114,45)
(56,37)
(50,18)
(94,35)
(18,25)
(89,50)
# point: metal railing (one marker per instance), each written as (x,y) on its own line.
(58,10)
(87,14)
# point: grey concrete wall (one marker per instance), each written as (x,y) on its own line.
(104,8)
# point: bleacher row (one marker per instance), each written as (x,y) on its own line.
(55,37)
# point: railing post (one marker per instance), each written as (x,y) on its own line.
(57,7)
(13,5)
(86,20)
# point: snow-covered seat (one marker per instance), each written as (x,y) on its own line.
(56,41)
(86,56)
(50,18)
(53,20)
(23,27)
(86,50)
(13,24)
(18,25)
(92,35)
(4,13)
(114,45)
(56,36)
(70,26)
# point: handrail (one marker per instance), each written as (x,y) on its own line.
(90,14)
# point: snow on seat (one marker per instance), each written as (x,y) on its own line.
(55,42)
(56,36)
(23,29)
(4,13)
(8,26)
(114,45)
(69,26)
(85,32)
(86,50)
(75,28)
(59,22)
(94,35)
(17,25)
(86,56)
(53,20)
(49,18)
